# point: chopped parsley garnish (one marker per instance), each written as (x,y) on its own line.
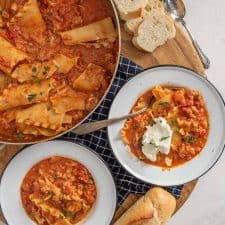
(61,196)
(50,195)
(173,122)
(189,139)
(165,104)
(152,122)
(34,69)
(68,214)
(46,68)
(19,136)
(164,138)
(36,79)
(152,142)
(31,97)
(140,143)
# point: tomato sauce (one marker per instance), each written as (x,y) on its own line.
(187,116)
(58,190)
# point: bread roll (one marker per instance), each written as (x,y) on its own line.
(154,208)
(154,31)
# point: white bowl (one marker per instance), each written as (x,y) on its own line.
(105,205)
(177,76)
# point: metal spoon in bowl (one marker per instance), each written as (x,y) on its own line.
(90,127)
(93,126)
(177,10)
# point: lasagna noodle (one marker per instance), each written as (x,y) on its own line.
(9,56)
(75,101)
(91,79)
(34,72)
(57,191)
(30,21)
(40,71)
(44,206)
(42,115)
(157,104)
(125,130)
(26,94)
(64,64)
(102,29)
(36,131)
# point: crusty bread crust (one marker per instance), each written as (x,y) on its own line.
(154,208)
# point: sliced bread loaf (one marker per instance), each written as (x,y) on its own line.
(130,9)
(154,31)
(131,25)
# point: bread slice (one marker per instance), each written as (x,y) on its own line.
(130,9)
(131,25)
(154,4)
(154,208)
(154,31)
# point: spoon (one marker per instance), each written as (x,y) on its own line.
(90,127)
(177,10)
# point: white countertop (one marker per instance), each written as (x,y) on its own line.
(206,205)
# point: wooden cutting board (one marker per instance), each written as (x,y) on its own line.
(178,51)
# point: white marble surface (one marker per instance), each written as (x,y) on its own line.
(206,205)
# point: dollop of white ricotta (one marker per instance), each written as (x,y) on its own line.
(157,138)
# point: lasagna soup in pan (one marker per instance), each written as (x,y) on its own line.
(57,60)
(172,131)
(58,191)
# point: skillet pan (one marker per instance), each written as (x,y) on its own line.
(117,25)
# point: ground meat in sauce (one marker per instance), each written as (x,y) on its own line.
(187,116)
(61,15)
(58,183)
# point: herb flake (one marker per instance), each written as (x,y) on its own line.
(173,122)
(68,214)
(61,196)
(34,69)
(36,79)
(152,122)
(164,104)
(152,142)
(189,139)
(164,138)
(19,136)
(46,68)
(31,97)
